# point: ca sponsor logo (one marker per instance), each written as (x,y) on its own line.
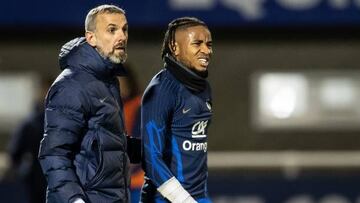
(198,129)
(194,146)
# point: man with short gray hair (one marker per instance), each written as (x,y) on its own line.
(85,152)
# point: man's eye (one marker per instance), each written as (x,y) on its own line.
(112,30)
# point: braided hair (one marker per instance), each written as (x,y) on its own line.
(179,23)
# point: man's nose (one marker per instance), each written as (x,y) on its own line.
(206,49)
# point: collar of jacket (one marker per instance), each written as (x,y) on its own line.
(77,53)
(189,78)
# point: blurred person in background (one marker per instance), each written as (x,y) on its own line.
(23,149)
(176,113)
(131,95)
(83,153)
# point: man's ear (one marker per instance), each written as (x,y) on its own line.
(175,49)
(90,38)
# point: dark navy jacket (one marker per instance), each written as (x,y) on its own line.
(175,121)
(83,152)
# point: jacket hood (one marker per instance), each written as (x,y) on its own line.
(77,53)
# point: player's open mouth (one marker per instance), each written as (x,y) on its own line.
(204,61)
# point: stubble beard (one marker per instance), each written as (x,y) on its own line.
(117,59)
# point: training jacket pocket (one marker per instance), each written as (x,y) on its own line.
(96,163)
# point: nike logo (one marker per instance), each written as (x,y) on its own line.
(186,110)
(102,100)
(208,106)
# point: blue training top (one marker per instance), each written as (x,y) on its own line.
(175,122)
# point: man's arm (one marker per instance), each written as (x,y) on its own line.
(157,107)
(64,122)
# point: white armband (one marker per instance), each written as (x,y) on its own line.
(174,192)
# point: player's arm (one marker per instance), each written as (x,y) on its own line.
(64,122)
(157,108)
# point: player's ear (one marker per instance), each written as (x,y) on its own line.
(90,38)
(175,49)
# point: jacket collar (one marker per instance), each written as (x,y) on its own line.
(189,78)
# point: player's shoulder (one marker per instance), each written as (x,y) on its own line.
(163,83)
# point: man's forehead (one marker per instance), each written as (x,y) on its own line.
(193,31)
(111,18)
